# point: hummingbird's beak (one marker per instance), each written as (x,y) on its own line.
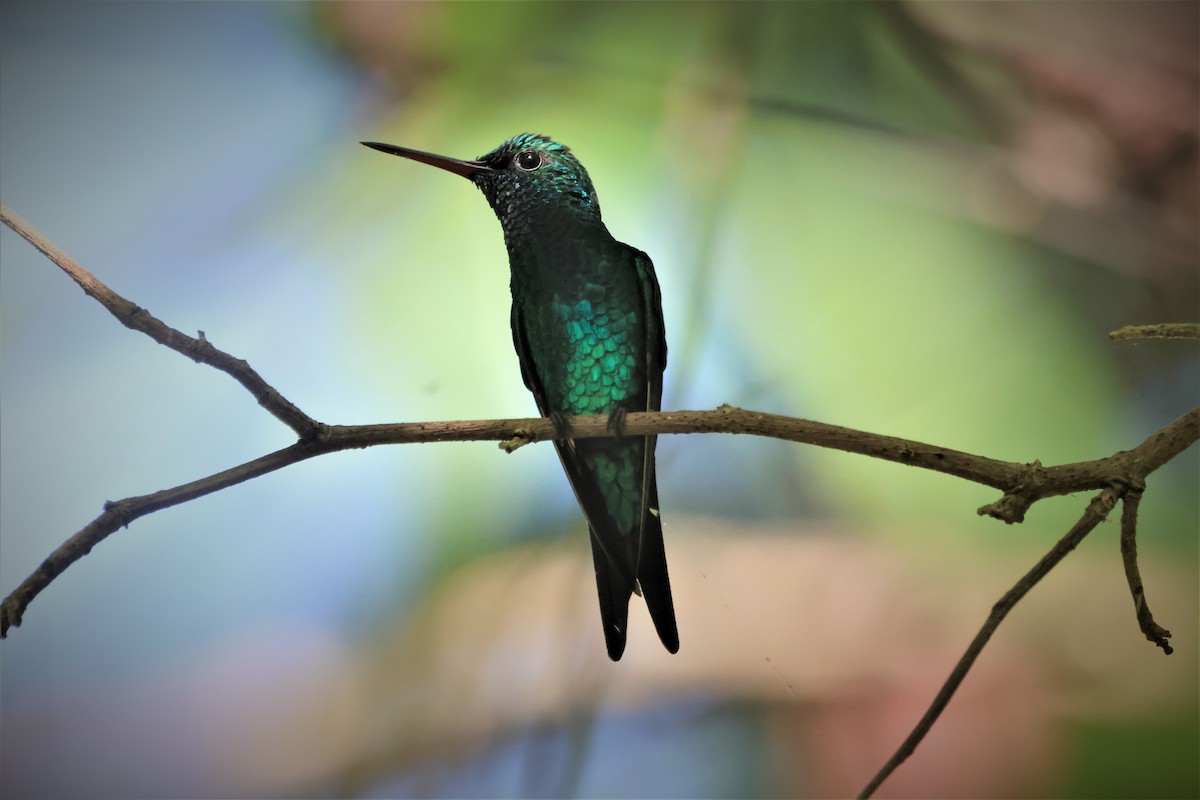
(467,169)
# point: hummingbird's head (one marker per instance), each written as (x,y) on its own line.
(530,171)
(529,175)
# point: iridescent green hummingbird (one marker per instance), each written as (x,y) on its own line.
(588,327)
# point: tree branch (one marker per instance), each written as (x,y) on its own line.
(1026,482)
(1120,476)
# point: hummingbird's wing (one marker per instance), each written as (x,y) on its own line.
(614,555)
(652,558)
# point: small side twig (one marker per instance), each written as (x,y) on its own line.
(1153,631)
(1166,330)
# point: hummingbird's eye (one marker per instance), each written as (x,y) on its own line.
(529,160)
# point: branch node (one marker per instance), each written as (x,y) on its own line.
(119,510)
(523,437)
(316,432)
(1130,482)
(1011,508)
(196,348)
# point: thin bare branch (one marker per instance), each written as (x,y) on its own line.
(1095,513)
(120,513)
(1174,330)
(139,319)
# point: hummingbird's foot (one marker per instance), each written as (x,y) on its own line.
(562,424)
(616,420)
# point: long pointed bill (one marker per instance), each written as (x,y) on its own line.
(467,169)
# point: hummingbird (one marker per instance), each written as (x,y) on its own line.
(587,325)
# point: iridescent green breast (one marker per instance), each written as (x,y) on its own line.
(601,359)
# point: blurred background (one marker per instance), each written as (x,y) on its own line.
(918,219)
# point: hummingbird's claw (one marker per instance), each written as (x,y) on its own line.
(562,424)
(616,420)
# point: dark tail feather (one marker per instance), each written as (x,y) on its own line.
(614,589)
(652,576)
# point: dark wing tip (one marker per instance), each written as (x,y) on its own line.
(615,642)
